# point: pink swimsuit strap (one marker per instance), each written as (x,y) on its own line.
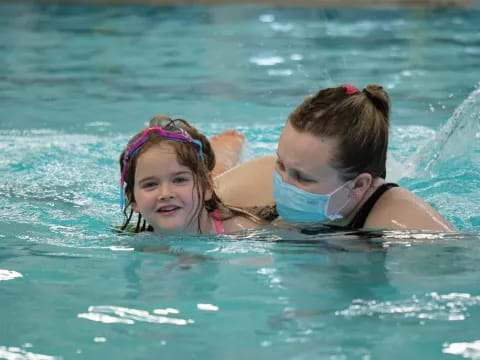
(218,222)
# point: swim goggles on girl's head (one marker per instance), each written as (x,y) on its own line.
(168,132)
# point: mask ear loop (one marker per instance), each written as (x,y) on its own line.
(336,215)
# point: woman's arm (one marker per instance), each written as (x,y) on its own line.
(248,184)
(227,146)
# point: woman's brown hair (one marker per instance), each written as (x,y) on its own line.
(358,119)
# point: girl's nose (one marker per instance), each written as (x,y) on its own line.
(165,192)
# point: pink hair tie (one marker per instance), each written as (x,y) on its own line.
(350,90)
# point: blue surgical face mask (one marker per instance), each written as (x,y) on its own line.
(296,205)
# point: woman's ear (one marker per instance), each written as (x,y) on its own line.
(361,184)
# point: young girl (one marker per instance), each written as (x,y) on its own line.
(166,179)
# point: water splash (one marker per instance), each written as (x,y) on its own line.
(468,350)
(16,353)
(431,306)
(9,275)
(453,143)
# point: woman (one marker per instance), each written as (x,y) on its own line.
(331,167)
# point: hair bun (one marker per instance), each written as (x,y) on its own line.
(378,97)
(375,91)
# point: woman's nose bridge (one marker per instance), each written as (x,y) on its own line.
(286,177)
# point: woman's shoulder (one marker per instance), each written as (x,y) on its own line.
(399,208)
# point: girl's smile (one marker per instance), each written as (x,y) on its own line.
(165,192)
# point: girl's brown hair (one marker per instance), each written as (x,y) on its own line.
(200,165)
(358,119)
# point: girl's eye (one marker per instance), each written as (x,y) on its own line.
(149,185)
(180,180)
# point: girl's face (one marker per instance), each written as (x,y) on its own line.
(164,191)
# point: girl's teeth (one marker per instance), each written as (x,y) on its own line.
(168,208)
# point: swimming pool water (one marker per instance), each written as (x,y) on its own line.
(77,81)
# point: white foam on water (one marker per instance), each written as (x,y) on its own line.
(16,353)
(468,350)
(9,275)
(116,314)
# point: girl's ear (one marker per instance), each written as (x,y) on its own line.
(134,206)
(361,184)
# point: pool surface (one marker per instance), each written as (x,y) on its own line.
(77,81)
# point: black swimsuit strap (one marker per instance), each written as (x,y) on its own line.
(361,216)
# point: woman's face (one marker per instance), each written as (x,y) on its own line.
(304,161)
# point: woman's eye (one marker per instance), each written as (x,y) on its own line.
(280,165)
(302,179)
(148,185)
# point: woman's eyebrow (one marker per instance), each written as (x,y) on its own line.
(300,174)
(296,171)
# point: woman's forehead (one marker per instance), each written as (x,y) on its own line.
(304,150)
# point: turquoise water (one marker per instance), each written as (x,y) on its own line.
(77,81)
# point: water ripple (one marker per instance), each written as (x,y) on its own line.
(433,306)
(115,314)
(15,353)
